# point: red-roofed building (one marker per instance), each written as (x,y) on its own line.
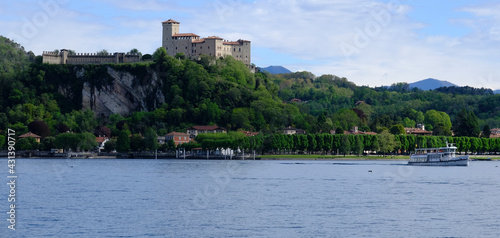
(419,131)
(33,135)
(101,141)
(178,137)
(495,133)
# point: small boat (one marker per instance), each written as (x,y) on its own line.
(442,156)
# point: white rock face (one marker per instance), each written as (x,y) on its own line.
(122,96)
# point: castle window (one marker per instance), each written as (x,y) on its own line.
(186,47)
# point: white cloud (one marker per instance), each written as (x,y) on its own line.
(381,50)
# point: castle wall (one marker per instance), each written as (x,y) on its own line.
(49,58)
(88,58)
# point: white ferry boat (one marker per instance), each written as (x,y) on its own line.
(443,156)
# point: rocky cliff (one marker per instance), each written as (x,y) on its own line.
(123,94)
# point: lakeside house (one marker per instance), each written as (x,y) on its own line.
(101,141)
(178,138)
(195,130)
(418,131)
(32,135)
(495,133)
(292,131)
(160,140)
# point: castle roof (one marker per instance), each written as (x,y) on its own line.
(214,37)
(198,41)
(185,34)
(232,43)
(171,21)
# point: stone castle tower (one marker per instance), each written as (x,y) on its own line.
(192,45)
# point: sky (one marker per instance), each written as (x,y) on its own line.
(370,42)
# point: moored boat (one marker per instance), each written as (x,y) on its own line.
(442,156)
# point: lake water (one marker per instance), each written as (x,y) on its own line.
(197,198)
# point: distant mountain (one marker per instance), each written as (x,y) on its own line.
(496,91)
(431,84)
(276,70)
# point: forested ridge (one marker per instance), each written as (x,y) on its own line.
(222,91)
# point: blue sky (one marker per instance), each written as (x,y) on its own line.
(367,41)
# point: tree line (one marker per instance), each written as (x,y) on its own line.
(384,143)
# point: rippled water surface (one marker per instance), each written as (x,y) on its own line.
(186,198)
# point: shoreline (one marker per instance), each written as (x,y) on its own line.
(273,157)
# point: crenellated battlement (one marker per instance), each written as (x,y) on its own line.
(64,57)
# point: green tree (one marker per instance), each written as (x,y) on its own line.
(387,142)
(28,143)
(134,52)
(151,139)
(486,131)
(103,52)
(441,130)
(136,143)
(86,141)
(171,145)
(407,122)
(67,141)
(345,145)
(358,145)
(110,145)
(48,143)
(435,118)
(311,143)
(398,130)
(466,124)
(123,142)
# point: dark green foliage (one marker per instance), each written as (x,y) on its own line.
(28,143)
(397,130)
(123,142)
(136,143)
(48,143)
(67,141)
(345,145)
(223,91)
(150,140)
(110,145)
(466,124)
(86,141)
(486,131)
(3,142)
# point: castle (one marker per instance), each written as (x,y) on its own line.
(192,45)
(174,42)
(64,57)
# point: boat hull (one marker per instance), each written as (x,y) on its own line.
(459,162)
